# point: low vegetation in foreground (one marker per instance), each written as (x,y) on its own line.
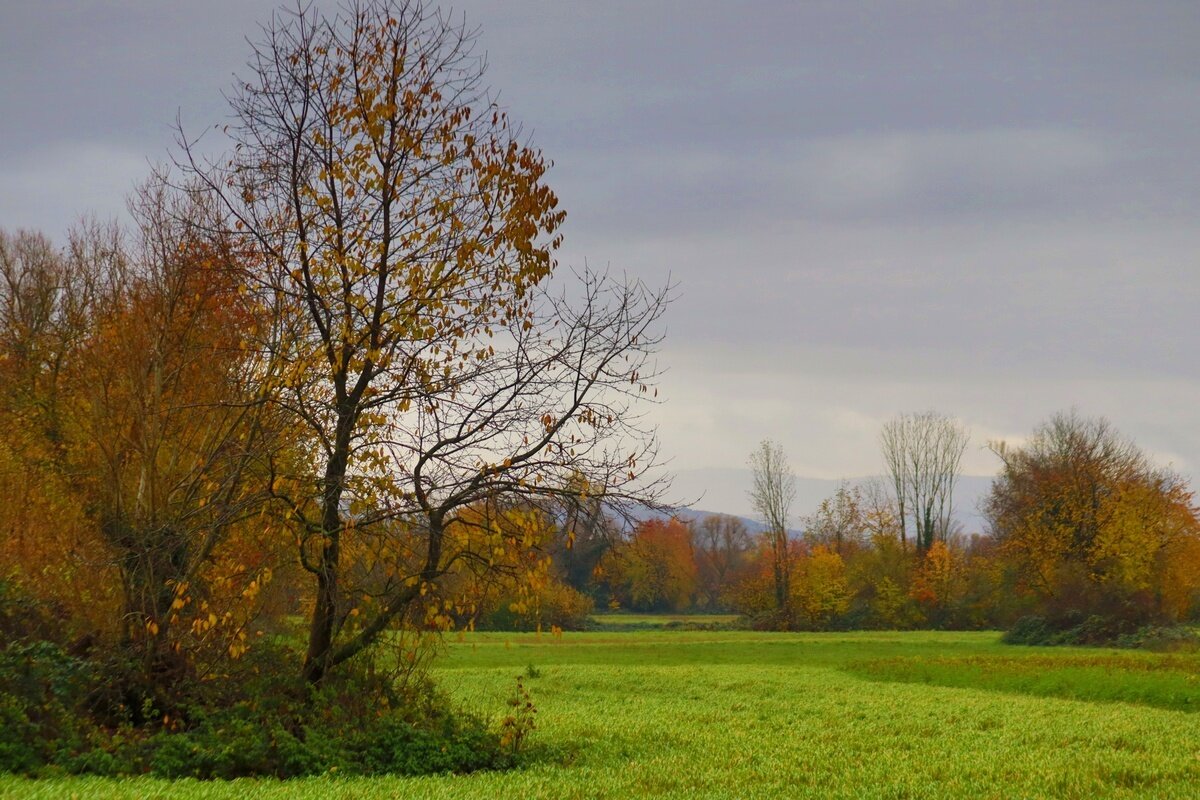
(672,713)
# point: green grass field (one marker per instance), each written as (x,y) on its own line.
(671,713)
(623,620)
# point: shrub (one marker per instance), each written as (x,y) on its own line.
(892,608)
(62,713)
(360,720)
(393,745)
(43,688)
(20,748)
(232,743)
(768,620)
(1031,630)
(1074,628)
(242,741)
(1161,639)
(245,740)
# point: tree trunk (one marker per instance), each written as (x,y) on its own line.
(781,571)
(324,618)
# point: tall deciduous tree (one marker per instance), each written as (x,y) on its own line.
(47,299)
(772,493)
(938,583)
(585,535)
(820,591)
(923,453)
(409,237)
(880,512)
(143,423)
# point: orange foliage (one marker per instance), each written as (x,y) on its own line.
(148,519)
(654,570)
(938,579)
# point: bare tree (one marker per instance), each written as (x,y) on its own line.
(894,441)
(773,493)
(923,453)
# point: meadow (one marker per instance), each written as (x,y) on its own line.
(659,711)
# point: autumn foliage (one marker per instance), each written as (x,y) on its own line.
(1091,527)
(1084,531)
(323,401)
(654,570)
(322,391)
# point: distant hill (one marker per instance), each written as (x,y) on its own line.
(698,515)
(728,490)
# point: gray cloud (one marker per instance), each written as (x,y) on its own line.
(990,208)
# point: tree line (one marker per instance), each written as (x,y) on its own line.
(1081,530)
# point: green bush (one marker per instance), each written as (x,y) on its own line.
(233,743)
(392,745)
(41,686)
(61,714)
(240,742)
(97,760)
(1031,630)
(1161,639)
(1098,631)
(40,700)
(20,748)
(357,722)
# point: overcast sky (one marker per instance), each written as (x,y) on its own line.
(991,210)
